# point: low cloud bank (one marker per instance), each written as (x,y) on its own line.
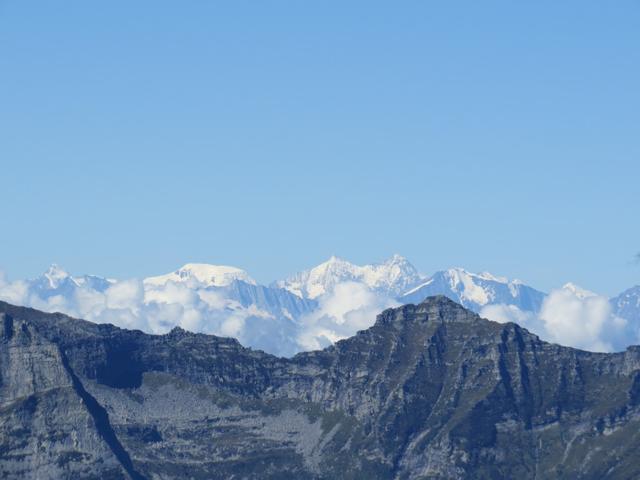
(132,304)
(574,318)
(568,316)
(349,308)
(157,309)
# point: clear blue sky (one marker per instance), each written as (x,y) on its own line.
(497,135)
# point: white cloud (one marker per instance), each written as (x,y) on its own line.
(191,320)
(159,308)
(171,292)
(232,326)
(54,303)
(502,313)
(161,317)
(213,299)
(573,317)
(16,293)
(350,307)
(582,321)
(122,317)
(89,303)
(569,316)
(125,294)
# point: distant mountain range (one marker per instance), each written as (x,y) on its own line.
(310,309)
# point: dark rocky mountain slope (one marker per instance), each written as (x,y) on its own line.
(430,391)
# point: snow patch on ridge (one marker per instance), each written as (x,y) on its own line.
(394,276)
(204,274)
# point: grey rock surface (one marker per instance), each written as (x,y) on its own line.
(430,391)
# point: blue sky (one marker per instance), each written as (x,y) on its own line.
(500,136)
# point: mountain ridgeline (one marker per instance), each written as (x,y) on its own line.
(430,391)
(316,307)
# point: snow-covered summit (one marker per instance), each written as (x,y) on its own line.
(627,304)
(202,274)
(323,304)
(578,291)
(56,281)
(55,276)
(474,290)
(392,277)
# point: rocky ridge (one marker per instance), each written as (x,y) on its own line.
(429,391)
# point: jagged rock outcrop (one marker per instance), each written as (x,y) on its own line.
(430,391)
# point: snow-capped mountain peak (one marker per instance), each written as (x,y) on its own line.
(466,284)
(392,276)
(55,275)
(475,290)
(322,304)
(627,304)
(57,281)
(578,291)
(320,279)
(457,273)
(493,278)
(203,274)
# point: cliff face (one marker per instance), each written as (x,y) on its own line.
(430,391)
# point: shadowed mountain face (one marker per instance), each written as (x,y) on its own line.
(430,391)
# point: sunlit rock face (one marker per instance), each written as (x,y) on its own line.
(429,391)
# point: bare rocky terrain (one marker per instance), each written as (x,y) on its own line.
(430,391)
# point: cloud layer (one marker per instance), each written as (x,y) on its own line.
(574,318)
(154,309)
(157,309)
(568,316)
(350,307)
